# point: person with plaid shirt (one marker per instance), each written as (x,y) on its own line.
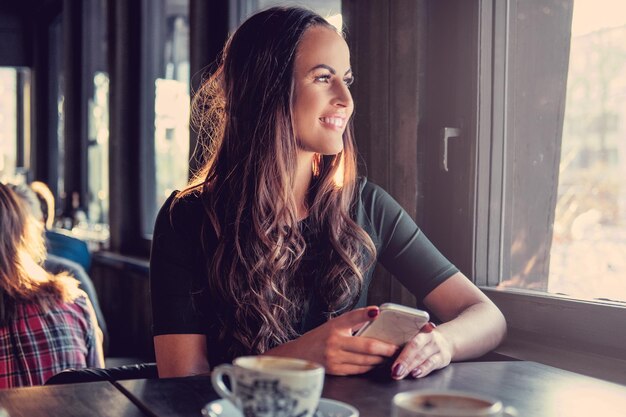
(47,324)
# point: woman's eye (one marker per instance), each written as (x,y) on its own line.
(348,81)
(323,78)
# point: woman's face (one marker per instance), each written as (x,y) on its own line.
(322,102)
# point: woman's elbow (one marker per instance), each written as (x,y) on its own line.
(499,326)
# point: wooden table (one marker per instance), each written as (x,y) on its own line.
(91,399)
(535,390)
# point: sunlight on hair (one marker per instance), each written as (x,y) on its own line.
(32,270)
(336,20)
(33,241)
(338,177)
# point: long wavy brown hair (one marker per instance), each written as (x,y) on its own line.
(22,251)
(243,115)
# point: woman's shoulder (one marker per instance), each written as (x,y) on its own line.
(181,211)
(183,203)
(369,193)
(376,210)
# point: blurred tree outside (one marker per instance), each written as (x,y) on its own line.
(587,255)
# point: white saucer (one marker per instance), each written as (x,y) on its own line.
(326,408)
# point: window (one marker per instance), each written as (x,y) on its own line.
(97,98)
(98,150)
(549,171)
(564,155)
(590,220)
(15,90)
(166,102)
(56,114)
(8,123)
(504,81)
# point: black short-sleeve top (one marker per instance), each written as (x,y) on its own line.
(181,251)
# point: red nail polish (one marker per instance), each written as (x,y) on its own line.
(373,312)
(398,370)
(428,327)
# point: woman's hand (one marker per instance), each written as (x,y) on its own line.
(429,350)
(333,345)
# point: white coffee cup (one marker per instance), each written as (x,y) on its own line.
(267,386)
(428,403)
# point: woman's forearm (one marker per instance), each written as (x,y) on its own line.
(477,330)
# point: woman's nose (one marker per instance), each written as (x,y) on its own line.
(343,97)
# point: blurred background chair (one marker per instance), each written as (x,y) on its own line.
(60,243)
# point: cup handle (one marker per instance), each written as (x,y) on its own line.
(217,379)
(510,412)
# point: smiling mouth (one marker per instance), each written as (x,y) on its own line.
(334,122)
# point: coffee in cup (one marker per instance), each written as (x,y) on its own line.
(426,403)
(267,386)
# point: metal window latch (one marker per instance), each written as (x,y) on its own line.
(447,133)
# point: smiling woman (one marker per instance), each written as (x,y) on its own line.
(265,252)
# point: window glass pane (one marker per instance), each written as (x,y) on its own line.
(56,90)
(585,224)
(15,87)
(171,109)
(98,150)
(96,229)
(8,123)
(589,244)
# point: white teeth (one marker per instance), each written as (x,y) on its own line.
(335,121)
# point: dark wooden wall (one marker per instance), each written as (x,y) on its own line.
(124,293)
(14,37)
(386,40)
(447,197)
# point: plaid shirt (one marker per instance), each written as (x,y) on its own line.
(38,344)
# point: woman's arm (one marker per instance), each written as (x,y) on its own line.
(177,276)
(472,326)
(181,355)
(330,344)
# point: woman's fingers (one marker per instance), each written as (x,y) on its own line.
(350,358)
(413,354)
(348,369)
(362,351)
(367,345)
(355,319)
(432,363)
(425,353)
(426,360)
(357,353)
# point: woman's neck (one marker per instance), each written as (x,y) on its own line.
(304,174)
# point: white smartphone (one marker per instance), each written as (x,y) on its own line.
(395,324)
